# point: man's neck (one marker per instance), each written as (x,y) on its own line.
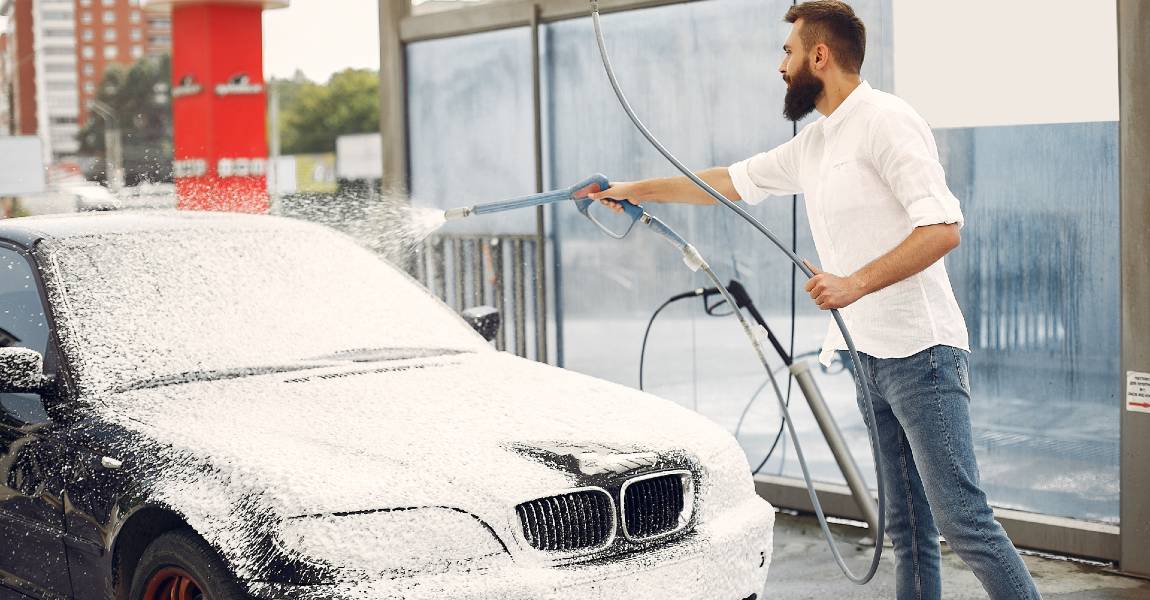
(835,90)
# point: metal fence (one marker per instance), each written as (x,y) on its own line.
(503,271)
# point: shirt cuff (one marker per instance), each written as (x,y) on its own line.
(741,178)
(933,211)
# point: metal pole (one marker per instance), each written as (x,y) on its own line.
(520,298)
(439,267)
(477,290)
(540,225)
(392,96)
(834,438)
(459,266)
(273,168)
(500,304)
(1134,236)
(113,155)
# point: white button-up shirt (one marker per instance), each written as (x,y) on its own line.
(869,174)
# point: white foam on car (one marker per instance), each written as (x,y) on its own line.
(382,468)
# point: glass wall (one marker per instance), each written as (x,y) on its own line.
(1033,157)
(703,77)
(1035,170)
(469,114)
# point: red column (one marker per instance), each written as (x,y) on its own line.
(219,104)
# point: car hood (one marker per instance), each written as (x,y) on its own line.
(480,432)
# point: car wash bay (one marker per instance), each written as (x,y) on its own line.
(490,102)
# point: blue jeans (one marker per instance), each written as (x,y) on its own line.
(921,405)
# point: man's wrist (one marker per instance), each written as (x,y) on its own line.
(860,282)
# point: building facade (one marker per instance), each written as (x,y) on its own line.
(114,32)
(55,55)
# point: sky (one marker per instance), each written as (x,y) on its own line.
(320,37)
(978,71)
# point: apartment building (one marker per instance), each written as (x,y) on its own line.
(56,52)
(114,32)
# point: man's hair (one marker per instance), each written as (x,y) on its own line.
(833,23)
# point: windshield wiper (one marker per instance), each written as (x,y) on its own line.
(385,354)
(218,374)
(334,359)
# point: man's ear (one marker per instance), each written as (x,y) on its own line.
(821,58)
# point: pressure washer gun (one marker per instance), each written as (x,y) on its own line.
(578,194)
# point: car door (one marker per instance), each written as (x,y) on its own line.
(32,553)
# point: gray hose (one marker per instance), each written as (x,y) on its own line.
(869,414)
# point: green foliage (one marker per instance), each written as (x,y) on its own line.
(140,98)
(312,116)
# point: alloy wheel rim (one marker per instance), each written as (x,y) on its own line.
(172,583)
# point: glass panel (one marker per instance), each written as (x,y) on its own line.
(1036,274)
(1034,163)
(470,124)
(712,98)
(1037,278)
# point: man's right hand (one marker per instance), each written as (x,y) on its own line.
(622,190)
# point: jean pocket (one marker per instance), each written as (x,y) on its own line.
(962,366)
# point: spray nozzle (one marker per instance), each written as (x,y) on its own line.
(461,212)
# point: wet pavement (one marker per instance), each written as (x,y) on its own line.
(802,567)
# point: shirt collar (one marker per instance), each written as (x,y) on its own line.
(832,121)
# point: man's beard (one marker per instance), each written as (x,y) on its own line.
(802,91)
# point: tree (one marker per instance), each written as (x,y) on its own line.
(314,115)
(140,100)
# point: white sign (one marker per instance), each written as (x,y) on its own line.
(22,169)
(241,167)
(188,86)
(189,167)
(1138,391)
(359,156)
(239,84)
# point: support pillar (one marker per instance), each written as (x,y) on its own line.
(393,96)
(1134,153)
(219,103)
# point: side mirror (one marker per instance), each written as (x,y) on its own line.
(21,370)
(484,319)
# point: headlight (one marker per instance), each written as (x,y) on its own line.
(417,539)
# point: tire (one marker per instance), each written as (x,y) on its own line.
(183,560)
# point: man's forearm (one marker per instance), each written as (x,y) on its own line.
(683,190)
(922,248)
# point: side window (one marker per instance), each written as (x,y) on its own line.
(23,324)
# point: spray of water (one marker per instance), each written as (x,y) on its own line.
(386,223)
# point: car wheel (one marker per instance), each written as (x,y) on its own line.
(180,565)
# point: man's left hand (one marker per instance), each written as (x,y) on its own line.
(831,291)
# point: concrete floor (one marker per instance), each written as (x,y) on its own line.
(803,567)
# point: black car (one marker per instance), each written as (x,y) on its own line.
(235,406)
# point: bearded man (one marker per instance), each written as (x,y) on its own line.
(882,219)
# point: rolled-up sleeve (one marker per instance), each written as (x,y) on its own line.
(771,173)
(906,157)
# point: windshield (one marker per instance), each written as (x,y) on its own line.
(143,308)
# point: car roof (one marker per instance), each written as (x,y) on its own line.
(26,231)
